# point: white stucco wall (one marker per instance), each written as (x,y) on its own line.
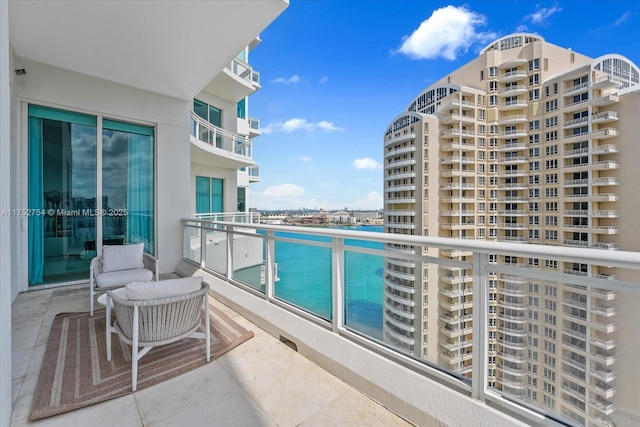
(6,294)
(55,87)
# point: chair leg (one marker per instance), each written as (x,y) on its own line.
(207,326)
(134,351)
(91,298)
(108,328)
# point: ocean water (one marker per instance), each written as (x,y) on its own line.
(305,273)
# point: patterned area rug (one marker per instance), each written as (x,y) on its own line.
(75,372)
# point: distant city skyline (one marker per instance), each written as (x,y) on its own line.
(334,74)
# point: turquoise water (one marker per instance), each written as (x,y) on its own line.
(305,280)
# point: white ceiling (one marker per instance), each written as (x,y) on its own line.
(172,47)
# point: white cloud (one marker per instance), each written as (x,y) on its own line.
(622,19)
(366,163)
(284,191)
(325,125)
(541,15)
(286,81)
(295,124)
(323,79)
(373,200)
(447,32)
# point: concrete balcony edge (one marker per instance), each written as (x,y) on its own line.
(415,397)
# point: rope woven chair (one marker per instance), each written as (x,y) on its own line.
(150,323)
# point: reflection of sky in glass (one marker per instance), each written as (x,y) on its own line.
(116,161)
(83,161)
(114,168)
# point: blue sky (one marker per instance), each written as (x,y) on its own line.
(335,73)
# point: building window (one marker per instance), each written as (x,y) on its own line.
(209,195)
(551,105)
(208,112)
(534,95)
(534,64)
(534,79)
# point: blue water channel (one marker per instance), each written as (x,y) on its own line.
(305,272)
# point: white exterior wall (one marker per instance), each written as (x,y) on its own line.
(7,293)
(55,87)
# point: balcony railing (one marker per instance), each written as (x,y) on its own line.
(238,217)
(366,309)
(233,143)
(243,70)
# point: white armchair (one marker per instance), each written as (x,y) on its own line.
(149,316)
(119,265)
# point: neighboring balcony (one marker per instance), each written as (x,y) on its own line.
(254,127)
(214,146)
(254,173)
(236,81)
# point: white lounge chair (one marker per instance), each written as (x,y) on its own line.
(119,265)
(172,314)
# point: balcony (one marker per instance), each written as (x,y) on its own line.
(254,173)
(513,118)
(254,127)
(238,80)
(604,117)
(513,104)
(513,90)
(384,366)
(214,146)
(605,133)
(456,133)
(512,76)
(456,117)
(453,101)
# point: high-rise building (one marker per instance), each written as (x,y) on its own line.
(528,143)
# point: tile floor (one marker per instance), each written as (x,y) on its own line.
(260,383)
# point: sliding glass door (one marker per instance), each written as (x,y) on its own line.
(68,211)
(62,195)
(127,184)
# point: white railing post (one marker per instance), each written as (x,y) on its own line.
(270,257)
(229,232)
(480,320)
(203,246)
(337,264)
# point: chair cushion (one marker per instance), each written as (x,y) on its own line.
(122,257)
(163,289)
(120,293)
(122,277)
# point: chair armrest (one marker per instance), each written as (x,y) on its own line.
(95,268)
(150,263)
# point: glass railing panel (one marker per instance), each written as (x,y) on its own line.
(304,272)
(216,251)
(191,243)
(363,291)
(248,261)
(568,347)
